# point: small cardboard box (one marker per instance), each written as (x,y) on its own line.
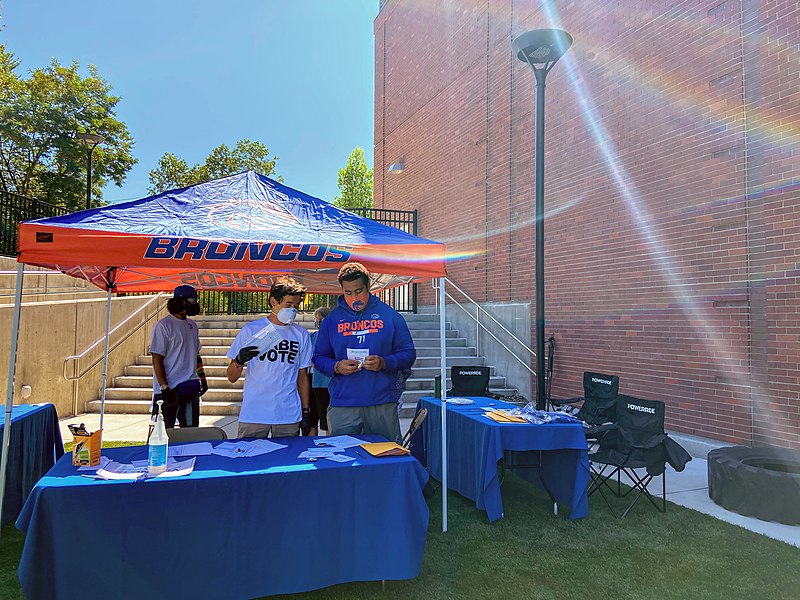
(86,449)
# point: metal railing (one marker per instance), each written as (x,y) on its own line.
(15,209)
(479,310)
(75,358)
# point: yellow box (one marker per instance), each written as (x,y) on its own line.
(86,449)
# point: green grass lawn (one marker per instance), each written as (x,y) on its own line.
(532,554)
(68,445)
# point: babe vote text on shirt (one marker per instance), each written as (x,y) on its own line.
(285,352)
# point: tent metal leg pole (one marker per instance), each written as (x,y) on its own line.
(12,365)
(443,366)
(105,360)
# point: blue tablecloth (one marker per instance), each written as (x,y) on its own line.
(475,444)
(234,528)
(34,447)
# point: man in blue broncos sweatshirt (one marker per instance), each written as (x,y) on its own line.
(362,345)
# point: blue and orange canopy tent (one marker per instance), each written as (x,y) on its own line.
(236,233)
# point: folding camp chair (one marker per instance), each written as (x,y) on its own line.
(416,423)
(599,407)
(469,381)
(636,440)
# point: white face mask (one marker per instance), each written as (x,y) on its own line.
(287,315)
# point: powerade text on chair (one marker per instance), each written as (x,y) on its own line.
(636,441)
(467,381)
(600,393)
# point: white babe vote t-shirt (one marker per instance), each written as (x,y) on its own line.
(270,380)
(178,341)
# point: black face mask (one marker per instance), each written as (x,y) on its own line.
(192,310)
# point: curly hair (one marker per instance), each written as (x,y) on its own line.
(286,286)
(353,271)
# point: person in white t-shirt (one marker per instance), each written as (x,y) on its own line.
(175,349)
(277,391)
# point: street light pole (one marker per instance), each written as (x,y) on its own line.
(90,141)
(540,49)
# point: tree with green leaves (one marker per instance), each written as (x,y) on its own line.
(174,172)
(39,118)
(355,182)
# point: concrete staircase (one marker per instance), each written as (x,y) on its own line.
(132,392)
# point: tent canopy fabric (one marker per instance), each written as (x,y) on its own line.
(236,233)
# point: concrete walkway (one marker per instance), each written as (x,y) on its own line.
(688,488)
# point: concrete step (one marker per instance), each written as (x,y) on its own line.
(426,383)
(213,351)
(216,341)
(143,381)
(426,326)
(424,362)
(409,317)
(133,407)
(217,332)
(427,334)
(146,393)
(207,360)
(147,370)
(236,325)
(434,351)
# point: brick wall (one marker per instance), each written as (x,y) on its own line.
(672,184)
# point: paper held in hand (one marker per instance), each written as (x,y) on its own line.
(265,339)
(385,449)
(358,355)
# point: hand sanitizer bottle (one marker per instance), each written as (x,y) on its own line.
(157,446)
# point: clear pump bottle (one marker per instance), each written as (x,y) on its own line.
(157,445)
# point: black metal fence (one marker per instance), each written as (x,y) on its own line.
(404,297)
(14,209)
(251,303)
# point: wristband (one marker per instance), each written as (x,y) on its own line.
(336,368)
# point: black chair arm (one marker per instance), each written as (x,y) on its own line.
(655,442)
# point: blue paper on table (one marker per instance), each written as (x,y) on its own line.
(265,338)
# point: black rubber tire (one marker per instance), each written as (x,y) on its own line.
(758,482)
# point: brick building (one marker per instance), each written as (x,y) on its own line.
(672,188)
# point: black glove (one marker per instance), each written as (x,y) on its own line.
(246,353)
(306,425)
(169,397)
(203,386)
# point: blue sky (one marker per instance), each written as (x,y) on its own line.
(296,75)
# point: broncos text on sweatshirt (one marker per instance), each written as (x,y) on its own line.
(378,328)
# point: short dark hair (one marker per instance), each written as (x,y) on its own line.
(353,271)
(322,312)
(286,286)
(176,305)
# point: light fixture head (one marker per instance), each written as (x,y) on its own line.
(90,140)
(397,167)
(541,46)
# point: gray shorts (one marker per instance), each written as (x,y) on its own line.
(260,430)
(381,419)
